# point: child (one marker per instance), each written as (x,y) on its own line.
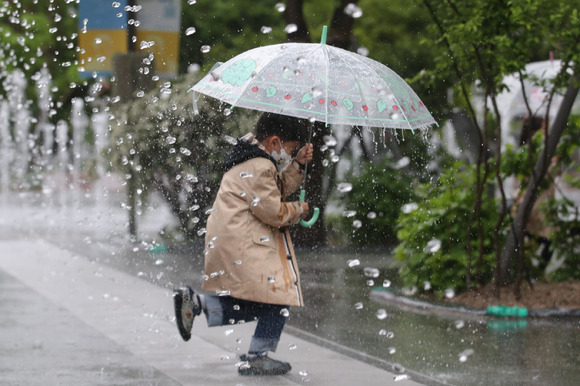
(249,258)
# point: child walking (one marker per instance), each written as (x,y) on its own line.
(249,260)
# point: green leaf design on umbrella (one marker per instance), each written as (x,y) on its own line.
(381,105)
(271,91)
(239,72)
(348,103)
(307,97)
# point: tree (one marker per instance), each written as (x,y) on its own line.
(480,43)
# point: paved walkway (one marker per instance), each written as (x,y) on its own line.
(67,320)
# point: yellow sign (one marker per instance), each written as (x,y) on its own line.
(98,48)
(165,48)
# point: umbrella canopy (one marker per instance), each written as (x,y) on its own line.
(317,82)
(512,99)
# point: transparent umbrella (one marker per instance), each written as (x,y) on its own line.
(317,82)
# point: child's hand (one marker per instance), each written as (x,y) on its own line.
(304,209)
(305,154)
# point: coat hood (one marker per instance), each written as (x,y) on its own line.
(246,149)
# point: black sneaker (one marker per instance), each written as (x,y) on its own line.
(262,365)
(187,307)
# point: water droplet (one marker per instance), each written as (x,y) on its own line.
(280,7)
(222,293)
(335,158)
(205,49)
(231,140)
(246,175)
(409,291)
(264,239)
(237,262)
(211,245)
(426,286)
(228,332)
(459,324)
(303,373)
(402,377)
(329,140)
(353,262)
(227,111)
(190,31)
(170,140)
(349,213)
(353,11)
(381,314)
(403,162)
(432,246)
(449,293)
(408,208)
(344,187)
(371,215)
(370,282)
(392,350)
(363,51)
(358,305)
(243,193)
(390,335)
(271,279)
(464,355)
(158,262)
(292,347)
(371,272)
(116,4)
(357,224)
(386,283)
(255,201)
(266,30)
(236,307)
(383,332)
(191,2)
(284,312)
(209,210)
(291,28)
(201,232)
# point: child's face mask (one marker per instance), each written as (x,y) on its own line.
(282,159)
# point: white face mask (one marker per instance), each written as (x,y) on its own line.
(281,159)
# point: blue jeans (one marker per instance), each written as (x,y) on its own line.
(225,310)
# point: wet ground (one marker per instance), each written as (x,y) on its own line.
(453,349)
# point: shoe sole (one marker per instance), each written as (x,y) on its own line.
(177,302)
(249,371)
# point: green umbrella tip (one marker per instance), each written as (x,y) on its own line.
(323,38)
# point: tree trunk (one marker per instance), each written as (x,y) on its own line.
(515,238)
(294,14)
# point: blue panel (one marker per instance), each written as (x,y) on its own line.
(102,14)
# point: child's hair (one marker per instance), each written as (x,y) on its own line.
(286,127)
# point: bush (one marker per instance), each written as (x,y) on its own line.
(433,234)
(374,203)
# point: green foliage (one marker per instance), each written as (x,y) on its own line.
(38,35)
(377,196)
(441,217)
(562,215)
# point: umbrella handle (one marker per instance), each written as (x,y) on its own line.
(309,223)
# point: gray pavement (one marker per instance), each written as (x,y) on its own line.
(69,320)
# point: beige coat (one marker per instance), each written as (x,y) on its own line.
(246,256)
